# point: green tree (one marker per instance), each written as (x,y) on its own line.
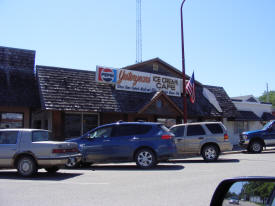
(257,188)
(271,95)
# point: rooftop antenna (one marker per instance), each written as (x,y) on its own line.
(138,33)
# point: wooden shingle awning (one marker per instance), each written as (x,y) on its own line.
(267,116)
(161,104)
(247,116)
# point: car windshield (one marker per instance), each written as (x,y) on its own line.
(38,136)
(267,125)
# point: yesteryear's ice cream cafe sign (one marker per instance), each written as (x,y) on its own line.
(139,81)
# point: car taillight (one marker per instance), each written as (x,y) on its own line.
(226,137)
(59,151)
(166,136)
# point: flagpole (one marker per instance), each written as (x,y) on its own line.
(183,69)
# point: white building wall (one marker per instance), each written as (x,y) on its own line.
(233,138)
(255,125)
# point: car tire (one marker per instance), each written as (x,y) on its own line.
(256,147)
(86,164)
(26,166)
(72,163)
(145,158)
(210,153)
(52,170)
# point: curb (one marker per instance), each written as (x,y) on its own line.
(238,150)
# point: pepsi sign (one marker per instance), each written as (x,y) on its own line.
(106,75)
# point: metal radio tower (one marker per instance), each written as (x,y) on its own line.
(138,34)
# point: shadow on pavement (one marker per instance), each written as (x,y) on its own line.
(202,161)
(40,176)
(125,167)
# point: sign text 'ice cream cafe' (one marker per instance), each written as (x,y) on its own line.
(129,80)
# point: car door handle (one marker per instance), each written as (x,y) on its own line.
(179,140)
(201,138)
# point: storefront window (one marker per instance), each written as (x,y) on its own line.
(78,124)
(72,125)
(90,121)
(11,120)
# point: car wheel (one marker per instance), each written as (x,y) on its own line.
(256,147)
(26,166)
(72,163)
(145,158)
(210,153)
(52,170)
(86,164)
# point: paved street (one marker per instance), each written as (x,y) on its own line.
(180,182)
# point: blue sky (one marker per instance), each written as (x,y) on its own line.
(228,43)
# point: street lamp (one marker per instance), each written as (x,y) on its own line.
(183,69)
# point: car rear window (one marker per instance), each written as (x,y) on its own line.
(193,130)
(8,137)
(214,128)
(178,131)
(38,136)
(131,129)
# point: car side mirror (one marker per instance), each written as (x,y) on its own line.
(248,191)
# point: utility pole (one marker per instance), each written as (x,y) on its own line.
(183,69)
(267,93)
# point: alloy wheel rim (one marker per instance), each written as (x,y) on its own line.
(145,158)
(25,166)
(71,162)
(256,147)
(210,153)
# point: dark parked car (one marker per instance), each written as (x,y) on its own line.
(254,141)
(146,143)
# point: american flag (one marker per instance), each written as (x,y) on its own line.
(190,88)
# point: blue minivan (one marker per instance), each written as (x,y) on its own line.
(145,143)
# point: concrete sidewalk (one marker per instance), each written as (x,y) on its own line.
(235,149)
(239,149)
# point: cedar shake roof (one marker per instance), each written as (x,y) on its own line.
(77,90)
(156,98)
(201,107)
(158,66)
(267,116)
(162,66)
(247,116)
(17,80)
(229,109)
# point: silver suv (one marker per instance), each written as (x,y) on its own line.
(208,139)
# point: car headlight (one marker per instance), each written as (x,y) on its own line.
(81,147)
(244,136)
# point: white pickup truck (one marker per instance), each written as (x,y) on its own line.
(30,149)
